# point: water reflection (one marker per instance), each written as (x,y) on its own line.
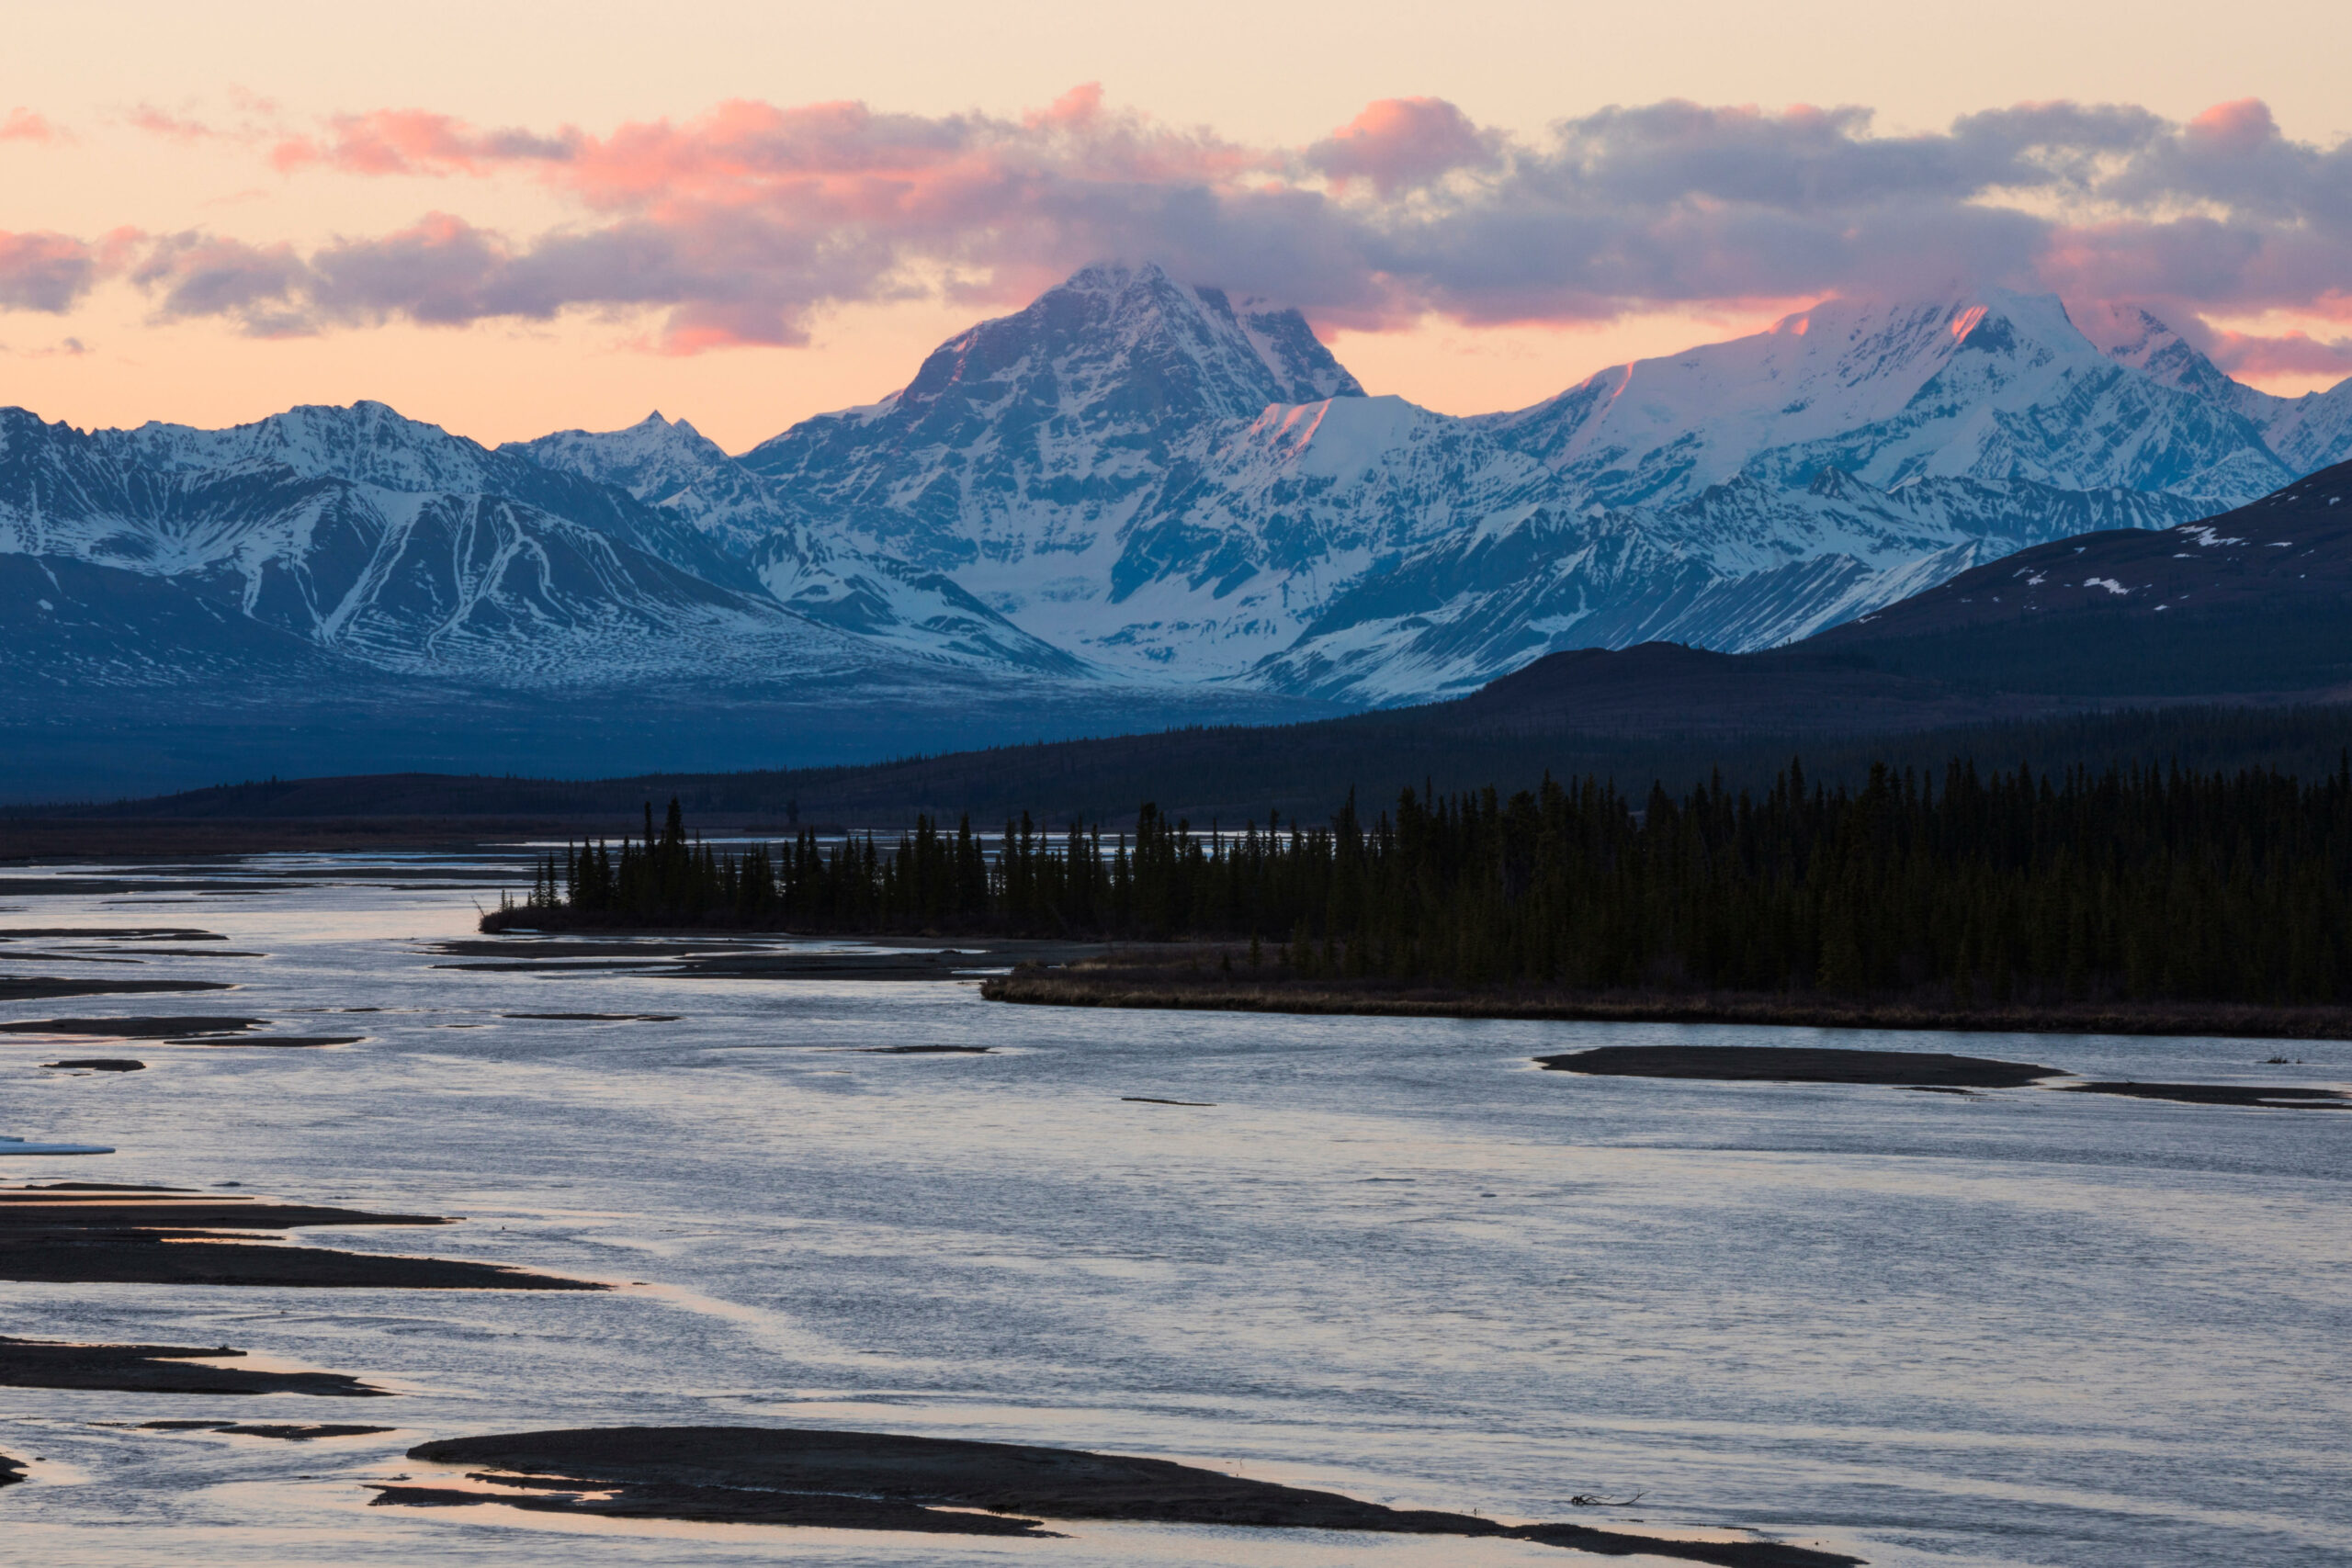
(1388,1256)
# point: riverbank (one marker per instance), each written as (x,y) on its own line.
(1198,979)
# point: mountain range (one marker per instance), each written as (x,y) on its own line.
(1135,500)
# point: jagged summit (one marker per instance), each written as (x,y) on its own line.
(366,443)
(1113,349)
(1039,434)
(665,462)
(1129,339)
(2134,335)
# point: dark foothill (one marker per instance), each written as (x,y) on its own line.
(45,987)
(1782,1064)
(740,1470)
(156,1369)
(2272,1097)
(99,1065)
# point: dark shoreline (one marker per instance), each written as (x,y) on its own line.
(1164,986)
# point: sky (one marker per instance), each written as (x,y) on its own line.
(513,218)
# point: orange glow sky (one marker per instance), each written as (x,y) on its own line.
(138,116)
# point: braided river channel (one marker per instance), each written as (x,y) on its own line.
(1390,1257)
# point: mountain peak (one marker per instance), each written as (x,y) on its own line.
(365,442)
(2131,335)
(1116,341)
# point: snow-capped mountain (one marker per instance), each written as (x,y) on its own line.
(1995,386)
(1138,485)
(676,470)
(463,584)
(2307,432)
(1020,456)
(1739,567)
(1094,468)
(371,446)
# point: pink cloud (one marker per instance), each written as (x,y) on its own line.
(185,129)
(46,272)
(414,142)
(2241,127)
(1401,143)
(198,275)
(24,125)
(742,224)
(2289,354)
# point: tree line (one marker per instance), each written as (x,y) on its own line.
(2127,883)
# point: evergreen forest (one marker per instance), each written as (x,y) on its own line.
(2135,883)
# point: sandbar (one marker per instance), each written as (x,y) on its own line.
(158,1028)
(41,987)
(772,1473)
(156,1369)
(2271,1097)
(92,1235)
(1800,1063)
(283,1432)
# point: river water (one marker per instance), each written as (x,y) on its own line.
(1386,1257)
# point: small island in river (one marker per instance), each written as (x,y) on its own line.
(884,1481)
(2135,902)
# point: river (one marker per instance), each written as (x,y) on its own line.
(1386,1257)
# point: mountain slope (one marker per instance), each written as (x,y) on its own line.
(2258,598)
(372,445)
(1999,385)
(2306,434)
(457,584)
(680,472)
(1031,437)
(1739,567)
(1126,472)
